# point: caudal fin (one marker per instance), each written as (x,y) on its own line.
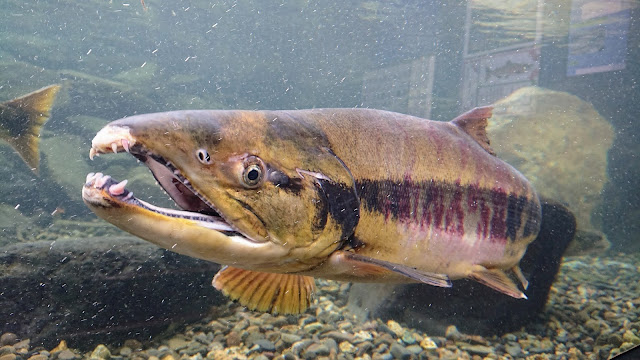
(22,119)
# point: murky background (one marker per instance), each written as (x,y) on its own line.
(563,76)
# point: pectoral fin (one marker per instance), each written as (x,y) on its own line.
(275,293)
(363,266)
(497,280)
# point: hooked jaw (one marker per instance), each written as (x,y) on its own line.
(197,230)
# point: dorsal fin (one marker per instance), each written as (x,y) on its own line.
(474,122)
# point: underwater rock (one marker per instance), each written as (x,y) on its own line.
(469,306)
(114,287)
(560,143)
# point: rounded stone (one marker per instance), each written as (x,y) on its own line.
(125,351)
(453,333)
(395,327)
(315,350)
(233,339)
(8,339)
(7,349)
(67,354)
(289,339)
(400,352)
(630,337)
(347,347)
(428,344)
(408,338)
(265,345)
(22,345)
(313,327)
(101,352)
(8,357)
(39,357)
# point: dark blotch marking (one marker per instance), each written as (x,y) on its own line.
(342,204)
(322,211)
(281,180)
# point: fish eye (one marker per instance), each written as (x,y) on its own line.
(203,156)
(253,172)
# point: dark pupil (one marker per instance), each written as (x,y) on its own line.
(253,174)
(204,156)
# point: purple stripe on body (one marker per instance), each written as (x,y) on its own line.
(494,215)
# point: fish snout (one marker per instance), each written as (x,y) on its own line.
(111,138)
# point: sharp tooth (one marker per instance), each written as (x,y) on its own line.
(118,189)
(114,147)
(129,196)
(176,172)
(90,177)
(92,153)
(125,144)
(101,181)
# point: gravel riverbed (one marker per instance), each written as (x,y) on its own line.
(593,313)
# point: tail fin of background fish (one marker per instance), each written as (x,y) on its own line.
(21,120)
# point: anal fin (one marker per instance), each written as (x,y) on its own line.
(497,280)
(523,280)
(275,293)
(365,266)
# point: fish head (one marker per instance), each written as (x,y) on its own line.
(269,178)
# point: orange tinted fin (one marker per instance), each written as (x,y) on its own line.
(498,280)
(275,293)
(364,266)
(28,114)
(474,122)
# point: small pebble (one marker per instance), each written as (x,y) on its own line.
(38,357)
(7,349)
(313,328)
(8,357)
(395,327)
(315,350)
(67,355)
(428,344)
(347,347)
(477,349)
(101,352)
(265,345)
(22,345)
(453,333)
(400,352)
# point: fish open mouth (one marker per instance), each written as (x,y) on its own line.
(102,190)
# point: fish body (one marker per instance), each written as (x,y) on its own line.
(345,194)
(21,120)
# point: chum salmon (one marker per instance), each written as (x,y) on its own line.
(281,197)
